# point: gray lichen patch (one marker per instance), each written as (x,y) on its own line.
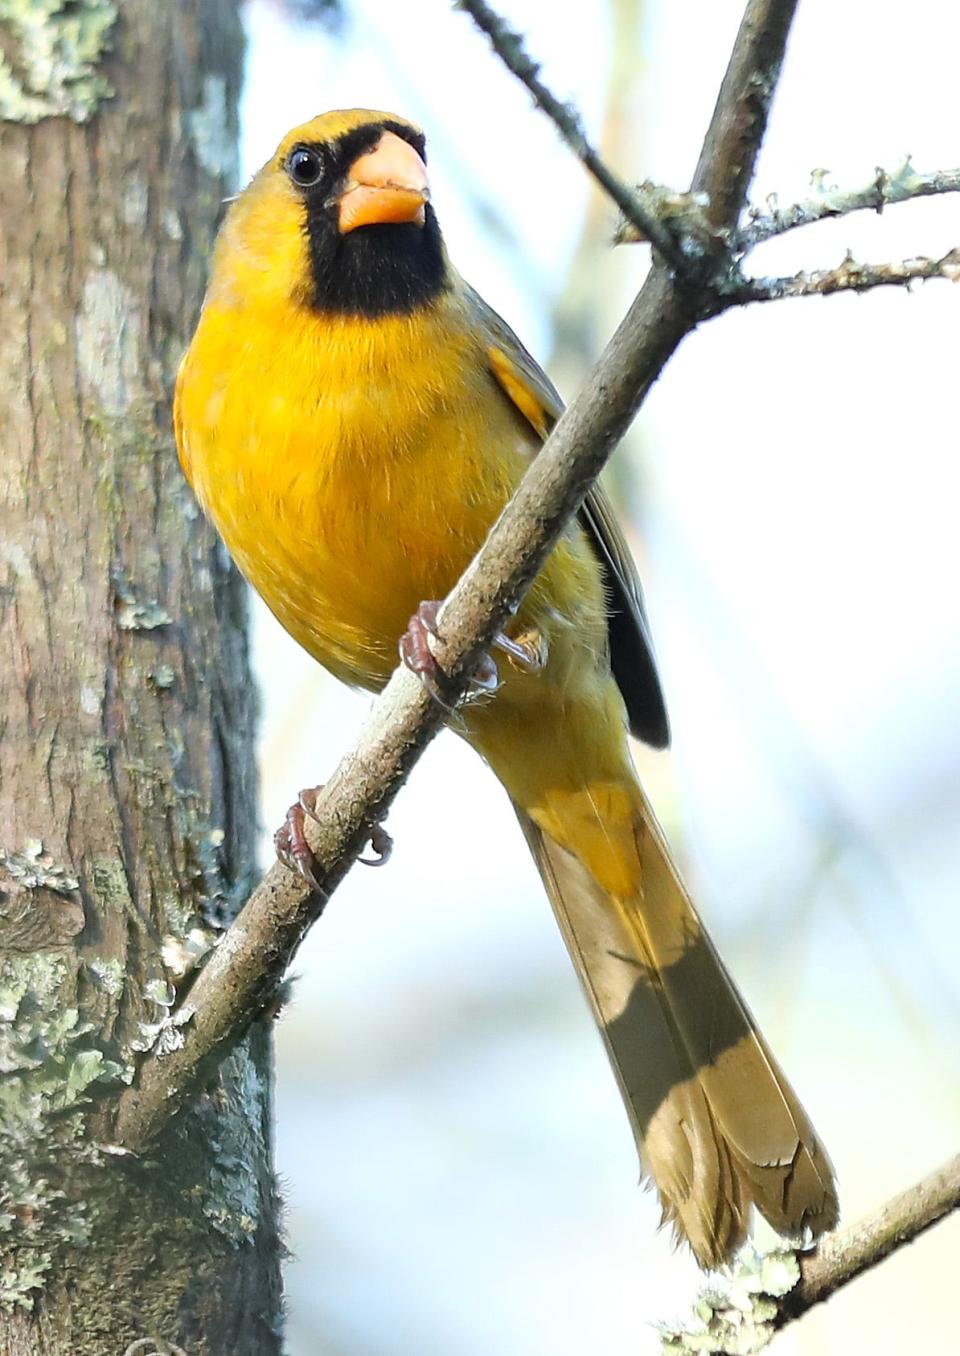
(137,614)
(47,1062)
(39,907)
(211,130)
(106,973)
(163,1035)
(33,867)
(136,200)
(49,66)
(108,341)
(161,677)
(48,1065)
(736,1315)
(64,1197)
(23,1278)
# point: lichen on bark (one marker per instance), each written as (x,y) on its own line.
(48,1062)
(127,785)
(55,48)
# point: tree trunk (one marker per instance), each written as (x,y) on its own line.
(127,787)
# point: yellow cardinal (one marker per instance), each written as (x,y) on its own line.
(353,417)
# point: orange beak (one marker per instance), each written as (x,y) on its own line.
(387,184)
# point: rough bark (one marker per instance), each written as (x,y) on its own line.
(127,786)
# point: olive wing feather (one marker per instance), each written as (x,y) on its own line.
(632,658)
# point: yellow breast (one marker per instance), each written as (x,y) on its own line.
(353,468)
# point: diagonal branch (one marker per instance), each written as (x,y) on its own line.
(241,976)
(745,1308)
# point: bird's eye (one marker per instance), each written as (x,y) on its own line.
(304,167)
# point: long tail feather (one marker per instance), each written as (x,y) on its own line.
(717,1125)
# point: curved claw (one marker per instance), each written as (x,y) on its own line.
(416,653)
(294,851)
(486,679)
(382,844)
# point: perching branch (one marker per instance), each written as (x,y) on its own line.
(883,190)
(241,976)
(762,1294)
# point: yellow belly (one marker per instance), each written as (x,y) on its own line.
(355,469)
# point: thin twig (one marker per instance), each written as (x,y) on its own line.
(509,47)
(743,1308)
(240,978)
(847,1253)
(851,276)
(885,188)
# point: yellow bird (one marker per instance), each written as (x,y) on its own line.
(353,417)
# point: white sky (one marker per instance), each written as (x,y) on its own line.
(460,1175)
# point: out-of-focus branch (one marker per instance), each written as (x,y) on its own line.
(851,276)
(744,1308)
(885,188)
(242,974)
(509,47)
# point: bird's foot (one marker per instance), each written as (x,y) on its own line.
(527,651)
(290,840)
(295,852)
(416,651)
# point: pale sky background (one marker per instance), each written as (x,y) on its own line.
(459,1173)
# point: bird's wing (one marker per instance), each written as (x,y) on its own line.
(632,659)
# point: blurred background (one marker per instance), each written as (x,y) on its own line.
(459,1174)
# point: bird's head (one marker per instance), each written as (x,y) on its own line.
(338,220)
